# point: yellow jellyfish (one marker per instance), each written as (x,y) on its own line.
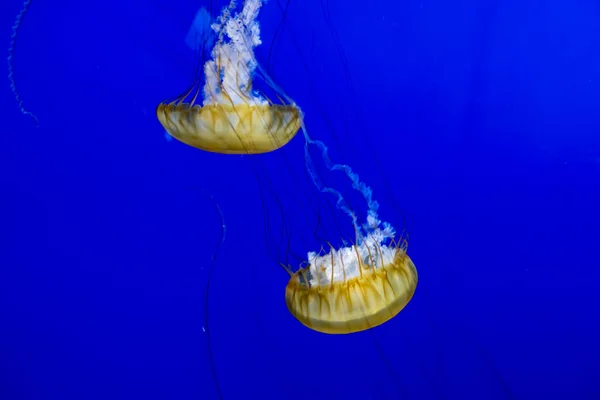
(234,118)
(352,289)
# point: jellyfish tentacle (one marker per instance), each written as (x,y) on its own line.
(357,184)
(11,50)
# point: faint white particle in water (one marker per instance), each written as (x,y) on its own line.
(203,330)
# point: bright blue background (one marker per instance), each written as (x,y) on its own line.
(483,115)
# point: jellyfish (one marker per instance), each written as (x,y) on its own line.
(234,117)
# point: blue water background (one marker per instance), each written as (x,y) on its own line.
(483,117)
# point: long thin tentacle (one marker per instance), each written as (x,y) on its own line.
(11,50)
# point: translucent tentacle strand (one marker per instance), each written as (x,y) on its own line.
(11,50)
(372,220)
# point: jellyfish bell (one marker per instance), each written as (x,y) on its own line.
(352,289)
(243,128)
(356,286)
(232,117)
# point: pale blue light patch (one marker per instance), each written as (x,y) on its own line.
(200,36)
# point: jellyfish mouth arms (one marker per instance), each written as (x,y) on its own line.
(357,304)
(231,129)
